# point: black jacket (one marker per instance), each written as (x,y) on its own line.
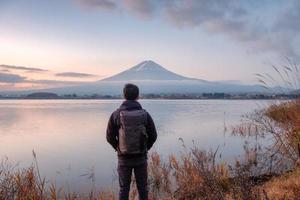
(112,130)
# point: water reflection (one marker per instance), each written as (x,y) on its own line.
(69,136)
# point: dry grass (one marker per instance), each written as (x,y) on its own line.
(193,176)
(285,187)
(26,184)
(197,176)
(287,118)
(285,79)
(281,124)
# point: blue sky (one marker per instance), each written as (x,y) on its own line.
(213,40)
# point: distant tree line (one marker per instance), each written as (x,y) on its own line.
(47,95)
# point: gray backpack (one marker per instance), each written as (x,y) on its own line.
(132,132)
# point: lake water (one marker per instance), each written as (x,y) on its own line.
(68,136)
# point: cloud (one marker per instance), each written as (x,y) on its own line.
(4,70)
(238,21)
(260,25)
(102,4)
(11,78)
(197,12)
(289,20)
(142,8)
(15,78)
(27,69)
(55,82)
(75,75)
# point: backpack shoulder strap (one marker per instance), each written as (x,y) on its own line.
(145,116)
(118,122)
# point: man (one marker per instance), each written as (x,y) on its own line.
(131,132)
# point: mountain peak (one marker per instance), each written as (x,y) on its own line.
(145,71)
(147,65)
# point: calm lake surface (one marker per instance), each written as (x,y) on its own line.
(68,136)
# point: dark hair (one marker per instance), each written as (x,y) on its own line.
(131,91)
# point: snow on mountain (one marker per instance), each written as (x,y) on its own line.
(146,70)
(148,65)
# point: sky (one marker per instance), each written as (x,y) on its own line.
(65,42)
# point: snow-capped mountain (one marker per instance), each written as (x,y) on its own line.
(153,78)
(145,71)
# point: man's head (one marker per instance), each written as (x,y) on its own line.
(131,92)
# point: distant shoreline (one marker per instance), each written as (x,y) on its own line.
(203,96)
(149,98)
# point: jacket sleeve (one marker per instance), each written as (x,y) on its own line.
(112,132)
(151,131)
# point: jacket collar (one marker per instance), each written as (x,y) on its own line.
(130,105)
